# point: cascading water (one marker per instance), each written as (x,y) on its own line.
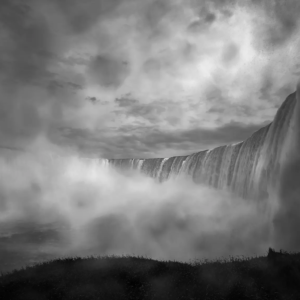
(286,219)
(249,169)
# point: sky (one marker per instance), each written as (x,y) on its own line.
(143,78)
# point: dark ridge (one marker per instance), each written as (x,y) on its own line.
(129,277)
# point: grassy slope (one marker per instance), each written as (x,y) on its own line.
(141,278)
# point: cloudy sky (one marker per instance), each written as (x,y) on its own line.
(144,78)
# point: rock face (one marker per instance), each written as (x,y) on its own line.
(249,169)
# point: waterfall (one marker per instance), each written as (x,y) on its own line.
(286,219)
(249,169)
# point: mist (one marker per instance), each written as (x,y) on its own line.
(105,212)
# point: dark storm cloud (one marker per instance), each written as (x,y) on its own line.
(81,15)
(207,9)
(281,22)
(215,95)
(189,51)
(286,17)
(26,43)
(34,75)
(108,71)
(154,12)
(152,68)
(133,108)
(271,92)
(266,86)
(120,144)
(74,61)
(149,112)
(210,17)
(239,110)
(198,25)
(220,106)
(229,133)
(97,101)
(34,36)
(284,91)
(29,50)
(230,53)
(19,119)
(205,18)
(126,101)
(195,26)
(144,141)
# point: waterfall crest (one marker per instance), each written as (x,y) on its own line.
(249,169)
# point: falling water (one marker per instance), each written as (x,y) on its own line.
(249,169)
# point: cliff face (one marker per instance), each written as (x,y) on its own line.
(249,169)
